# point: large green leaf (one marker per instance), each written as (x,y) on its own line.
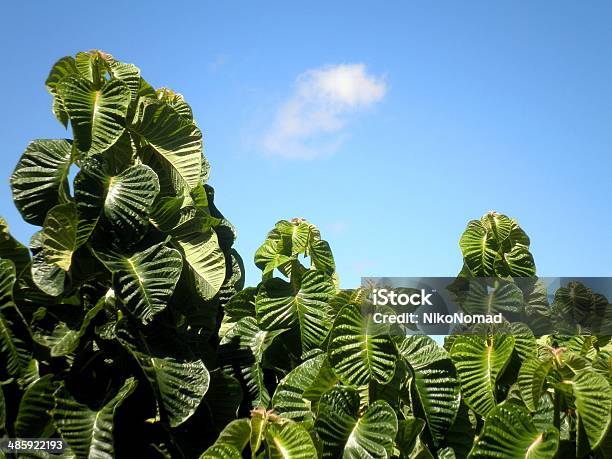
(501,296)
(14,352)
(237,433)
(479,249)
(280,305)
(435,382)
(12,249)
(360,352)
(242,349)
(293,398)
(145,280)
(480,361)
(509,433)
(39,181)
(221,451)
(347,434)
(97,115)
(34,416)
(88,432)
(59,235)
(408,431)
(47,277)
(179,385)
(593,404)
(275,252)
(172,137)
(176,101)
(532,379)
(206,260)
(62,68)
(289,441)
(128,73)
(125,199)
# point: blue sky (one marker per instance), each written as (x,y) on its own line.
(452,109)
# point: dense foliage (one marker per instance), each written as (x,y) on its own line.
(108,322)
(125,328)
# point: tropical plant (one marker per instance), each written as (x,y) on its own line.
(322,380)
(108,322)
(126,331)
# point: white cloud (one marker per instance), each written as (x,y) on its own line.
(312,121)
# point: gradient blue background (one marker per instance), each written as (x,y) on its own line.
(490,105)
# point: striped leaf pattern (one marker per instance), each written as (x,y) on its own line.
(205,258)
(278,305)
(39,181)
(179,385)
(358,353)
(480,361)
(97,115)
(59,236)
(345,433)
(176,140)
(435,382)
(88,432)
(293,396)
(508,432)
(289,440)
(145,280)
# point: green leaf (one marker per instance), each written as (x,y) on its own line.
(176,101)
(293,398)
(59,235)
(12,249)
(206,260)
(322,256)
(221,451)
(501,296)
(359,352)
(435,382)
(242,348)
(519,262)
(14,352)
(39,181)
(176,140)
(279,305)
(34,416)
(125,199)
(531,380)
(62,68)
(128,73)
(343,431)
(241,305)
(48,278)
(145,280)
(408,431)
(593,404)
(479,249)
(89,432)
(70,340)
(179,385)
(480,361)
(237,434)
(508,432)
(289,441)
(97,115)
